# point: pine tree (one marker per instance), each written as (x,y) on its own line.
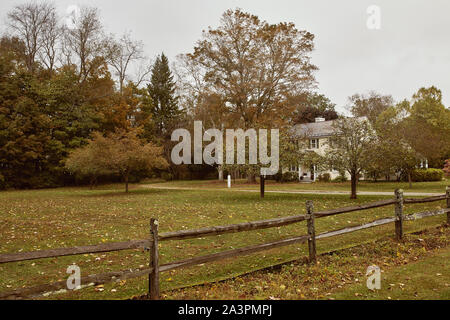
(162,91)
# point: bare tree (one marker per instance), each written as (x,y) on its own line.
(143,71)
(29,22)
(85,40)
(52,33)
(122,54)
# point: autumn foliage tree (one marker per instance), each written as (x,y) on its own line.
(121,153)
(447,168)
(253,68)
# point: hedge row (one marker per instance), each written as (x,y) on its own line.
(421,175)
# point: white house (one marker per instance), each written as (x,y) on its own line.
(319,134)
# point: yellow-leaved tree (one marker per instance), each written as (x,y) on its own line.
(120,153)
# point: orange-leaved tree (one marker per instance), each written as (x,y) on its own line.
(120,153)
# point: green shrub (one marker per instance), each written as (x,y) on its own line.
(422,175)
(324,177)
(278,177)
(340,178)
(289,176)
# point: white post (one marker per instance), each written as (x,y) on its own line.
(229,181)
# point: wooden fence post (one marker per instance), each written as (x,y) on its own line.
(153,277)
(262,181)
(447,193)
(399,214)
(311,230)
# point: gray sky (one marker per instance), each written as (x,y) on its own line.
(411,50)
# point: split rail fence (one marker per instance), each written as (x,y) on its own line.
(154,268)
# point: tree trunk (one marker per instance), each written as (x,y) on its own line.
(251,178)
(93,182)
(409,179)
(126,181)
(354,181)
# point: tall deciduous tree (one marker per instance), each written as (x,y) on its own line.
(370,106)
(84,40)
(254,66)
(122,54)
(350,151)
(312,105)
(393,154)
(52,34)
(31,23)
(427,125)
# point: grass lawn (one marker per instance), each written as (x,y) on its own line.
(426,187)
(64,217)
(428,279)
(416,268)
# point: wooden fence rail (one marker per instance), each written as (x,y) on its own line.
(152,243)
(60,252)
(61,286)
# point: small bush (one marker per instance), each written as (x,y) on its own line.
(340,178)
(289,177)
(278,177)
(167,176)
(324,177)
(422,175)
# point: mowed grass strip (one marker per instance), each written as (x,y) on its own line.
(65,217)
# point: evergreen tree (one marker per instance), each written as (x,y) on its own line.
(161,89)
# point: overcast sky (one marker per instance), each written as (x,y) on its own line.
(411,50)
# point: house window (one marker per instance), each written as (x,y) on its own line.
(314,144)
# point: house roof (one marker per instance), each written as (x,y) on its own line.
(317,129)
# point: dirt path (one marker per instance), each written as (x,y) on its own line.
(366,193)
